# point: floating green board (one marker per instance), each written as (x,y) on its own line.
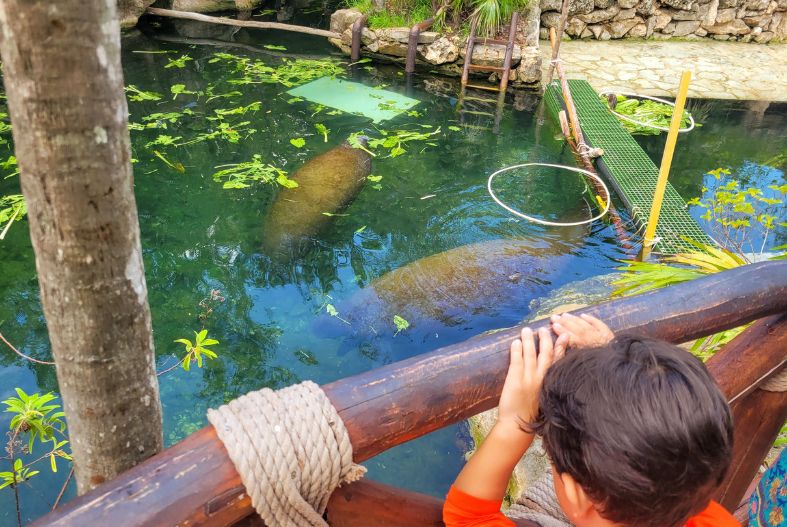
(352,97)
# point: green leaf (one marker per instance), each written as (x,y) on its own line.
(454,128)
(274,47)
(400,323)
(331,310)
(298,142)
(374,179)
(286,182)
(360,230)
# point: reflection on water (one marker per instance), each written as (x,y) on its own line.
(423,242)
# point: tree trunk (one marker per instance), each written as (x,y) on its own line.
(61,62)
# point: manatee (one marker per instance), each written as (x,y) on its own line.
(450,288)
(326,183)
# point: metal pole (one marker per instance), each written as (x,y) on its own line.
(666,160)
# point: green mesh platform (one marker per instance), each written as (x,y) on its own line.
(629,169)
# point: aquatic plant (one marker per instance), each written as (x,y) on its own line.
(400,323)
(136,95)
(393,141)
(289,73)
(240,175)
(645,111)
(12,208)
(196,350)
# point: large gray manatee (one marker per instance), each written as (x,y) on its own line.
(326,183)
(449,288)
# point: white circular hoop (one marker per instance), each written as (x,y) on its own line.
(515,212)
(641,123)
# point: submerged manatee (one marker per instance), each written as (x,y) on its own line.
(450,288)
(326,183)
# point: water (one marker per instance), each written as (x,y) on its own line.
(273,325)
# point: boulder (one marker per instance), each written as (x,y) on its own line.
(764,37)
(550,19)
(757,21)
(756,5)
(129,11)
(343,19)
(713,11)
(368,37)
(440,51)
(625,14)
(647,7)
(580,7)
(620,28)
(575,27)
(600,15)
(527,27)
(602,4)
(686,5)
(639,31)
(596,30)
(685,27)
(669,29)
(529,70)
(551,5)
(491,54)
(661,21)
(392,47)
(725,15)
(724,4)
(701,32)
(778,26)
(735,27)
(690,14)
(627,4)
(587,33)
(720,37)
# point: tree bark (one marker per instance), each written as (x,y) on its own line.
(64,82)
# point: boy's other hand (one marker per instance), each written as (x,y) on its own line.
(583,331)
(519,399)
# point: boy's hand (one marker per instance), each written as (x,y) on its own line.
(583,331)
(519,400)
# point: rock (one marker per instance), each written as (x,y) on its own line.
(755,31)
(491,54)
(778,26)
(647,7)
(724,4)
(625,14)
(550,19)
(686,5)
(392,47)
(208,6)
(662,19)
(129,11)
(686,27)
(781,5)
(713,11)
(620,28)
(605,35)
(587,33)
(639,31)
(596,30)
(650,23)
(575,27)
(701,32)
(368,37)
(602,4)
(527,28)
(669,29)
(757,5)
(347,36)
(725,15)
(600,15)
(529,70)
(580,7)
(736,27)
(720,37)
(551,5)
(757,22)
(343,19)
(691,14)
(543,34)
(627,4)
(764,37)
(339,44)
(440,51)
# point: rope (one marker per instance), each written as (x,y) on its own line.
(539,504)
(777,383)
(291,450)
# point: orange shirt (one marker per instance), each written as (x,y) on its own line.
(464,510)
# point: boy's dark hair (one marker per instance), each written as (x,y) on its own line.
(641,425)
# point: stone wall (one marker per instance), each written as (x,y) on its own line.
(445,53)
(758,21)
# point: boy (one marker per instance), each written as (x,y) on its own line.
(637,431)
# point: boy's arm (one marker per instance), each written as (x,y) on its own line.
(488,471)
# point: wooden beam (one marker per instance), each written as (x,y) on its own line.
(188,15)
(195,483)
(758,417)
(368,503)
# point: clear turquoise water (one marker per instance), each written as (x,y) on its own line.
(198,237)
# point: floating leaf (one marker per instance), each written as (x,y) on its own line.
(298,142)
(400,323)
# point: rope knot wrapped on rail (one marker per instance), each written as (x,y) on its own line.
(291,450)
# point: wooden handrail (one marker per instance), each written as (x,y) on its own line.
(195,483)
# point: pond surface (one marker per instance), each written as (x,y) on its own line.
(272,315)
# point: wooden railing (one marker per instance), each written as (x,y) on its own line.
(194,482)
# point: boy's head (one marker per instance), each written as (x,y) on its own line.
(638,428)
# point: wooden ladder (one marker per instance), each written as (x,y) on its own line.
(504,71)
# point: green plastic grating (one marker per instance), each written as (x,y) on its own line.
(632,173)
